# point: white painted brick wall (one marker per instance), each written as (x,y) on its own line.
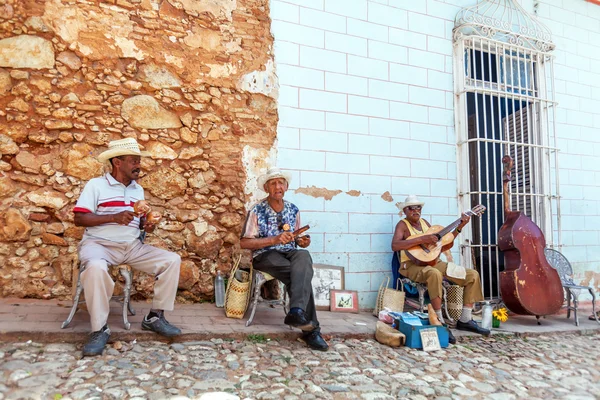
(366,107)
(346,84)
(326,60)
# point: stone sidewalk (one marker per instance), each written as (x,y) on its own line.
(558,366)
(40,320)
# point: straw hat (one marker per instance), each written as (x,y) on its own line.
(273,173)
(411,200)
(122,147)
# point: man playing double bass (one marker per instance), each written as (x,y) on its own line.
(433,276)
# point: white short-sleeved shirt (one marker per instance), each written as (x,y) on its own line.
(105,195)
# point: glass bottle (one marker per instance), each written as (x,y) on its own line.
(219,290)
(486,315)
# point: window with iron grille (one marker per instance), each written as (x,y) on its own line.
(504,104)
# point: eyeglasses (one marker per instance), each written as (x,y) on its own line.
(413,208)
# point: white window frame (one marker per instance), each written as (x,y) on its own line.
(507,35)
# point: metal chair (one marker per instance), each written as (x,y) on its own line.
(565,271)
(258,280)
(125,272)
(422,288)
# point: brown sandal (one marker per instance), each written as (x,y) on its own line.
(591,317)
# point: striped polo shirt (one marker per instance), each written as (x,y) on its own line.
(105,195)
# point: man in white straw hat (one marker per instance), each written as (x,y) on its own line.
(112,237)
(433,276)
(268,232)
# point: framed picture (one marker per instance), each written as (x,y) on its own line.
(325,278)
(344,301)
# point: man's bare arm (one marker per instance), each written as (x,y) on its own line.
(400,243)
(91,219)
(259,243)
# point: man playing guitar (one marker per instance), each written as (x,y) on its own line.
(434,273)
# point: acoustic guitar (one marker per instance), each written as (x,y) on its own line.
(428,254)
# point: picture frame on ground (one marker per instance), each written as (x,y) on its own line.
(326,277)
(344,301)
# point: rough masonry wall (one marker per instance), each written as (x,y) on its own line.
(192,81)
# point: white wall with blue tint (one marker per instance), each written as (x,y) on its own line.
(366,111)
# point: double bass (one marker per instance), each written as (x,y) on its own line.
(528,284)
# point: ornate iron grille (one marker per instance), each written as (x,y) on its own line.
(504,104)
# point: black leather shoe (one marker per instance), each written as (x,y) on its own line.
(315,341)
(472,326)
(451,338)
(161,326)
(297,319)
(98,339)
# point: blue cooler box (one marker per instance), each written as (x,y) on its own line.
(413,335)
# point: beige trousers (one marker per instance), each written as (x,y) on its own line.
(433,277)
(95,255)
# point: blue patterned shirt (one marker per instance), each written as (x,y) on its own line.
(263,221)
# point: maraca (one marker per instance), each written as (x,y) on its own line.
(153,217)
(141,207)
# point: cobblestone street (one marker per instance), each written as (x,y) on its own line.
(565,366)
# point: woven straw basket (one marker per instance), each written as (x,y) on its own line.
(237,295)
(392,299)
(454,299)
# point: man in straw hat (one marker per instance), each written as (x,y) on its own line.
(433,276)
(268,233)
(112,237)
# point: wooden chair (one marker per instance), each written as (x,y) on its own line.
(258,280)
(125,272)
(565,271)
(422,288)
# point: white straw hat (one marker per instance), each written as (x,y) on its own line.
(411,200)
(273,173)
(122,147)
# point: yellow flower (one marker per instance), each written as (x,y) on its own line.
(501,314)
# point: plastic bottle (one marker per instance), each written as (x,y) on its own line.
(219,290)
(486,315)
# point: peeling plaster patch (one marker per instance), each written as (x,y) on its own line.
(264,82)
(158,76)
(318,192)
(26,51)
(177,61)
(65,21)
(353,193)
(256,162)
(589,275)
(82,31)
(221,70)
(128,48)
(218,8)
(388,197)
(399,207)
(202,37)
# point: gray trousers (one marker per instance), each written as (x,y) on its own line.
(294,269)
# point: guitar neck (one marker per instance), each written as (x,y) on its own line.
(452,226)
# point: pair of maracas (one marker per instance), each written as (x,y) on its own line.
(141,208)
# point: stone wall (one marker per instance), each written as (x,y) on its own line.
(192,80)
